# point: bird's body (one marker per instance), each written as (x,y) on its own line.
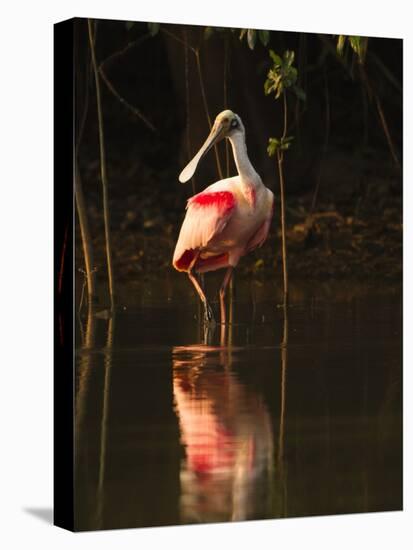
(226,220)
(223,223)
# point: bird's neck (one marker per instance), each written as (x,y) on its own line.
(248,175)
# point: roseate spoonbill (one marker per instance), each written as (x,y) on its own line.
(226,220)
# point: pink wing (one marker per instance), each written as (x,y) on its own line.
(207,215)
(259,238)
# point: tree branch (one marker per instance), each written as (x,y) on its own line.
(125,103)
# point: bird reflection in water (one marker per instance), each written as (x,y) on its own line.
(226,430)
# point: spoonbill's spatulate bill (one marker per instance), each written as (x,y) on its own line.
(226,220)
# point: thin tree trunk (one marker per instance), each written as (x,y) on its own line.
(227,168)
(106,214)
(372,94)
(85,235)
(205,102)
(81,203)
(284,245)
(284,358)
(226,70)
(108,363)
(386,131)
(195,51)
(325,145)
(280,158)
(187,109)
(85,372)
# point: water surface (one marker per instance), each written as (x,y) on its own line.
(273,417)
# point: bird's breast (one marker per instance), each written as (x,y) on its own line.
(249,214)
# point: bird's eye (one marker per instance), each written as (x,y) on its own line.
(234,123)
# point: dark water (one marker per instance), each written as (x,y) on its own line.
(274,417)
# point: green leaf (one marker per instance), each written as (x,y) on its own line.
(273,145)
(289,57)
(282,75)
(290,77)
(277,79)
(276,58)
(340,44)
(359,46)
(251,38)
(355,42)
(273,83)
(280,89)
(267,86)
(285,143)
(153,28)
(264,37)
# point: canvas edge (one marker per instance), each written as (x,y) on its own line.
(63,202)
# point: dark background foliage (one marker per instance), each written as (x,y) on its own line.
(343,183)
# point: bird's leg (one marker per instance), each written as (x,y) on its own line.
(208,313)
(222,292)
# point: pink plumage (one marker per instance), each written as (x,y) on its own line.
(221,227)
(223,201)
(226,220)
(207,215)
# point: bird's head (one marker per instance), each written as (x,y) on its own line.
(226,125)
